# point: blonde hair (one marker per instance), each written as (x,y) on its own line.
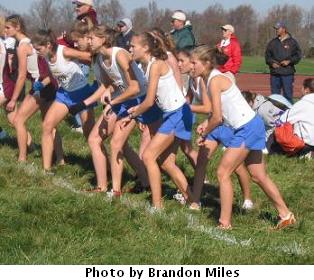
(2,23)
(206,54)
(17,22)
(110,35)
(81,29)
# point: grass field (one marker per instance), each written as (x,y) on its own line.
(47,219)
(256,64)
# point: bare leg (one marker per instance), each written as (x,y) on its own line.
(88,121)
(256,167)
(190,153)
(155,148)
(100,131)
(244,180)
(118,139)
(204,155)
(168,164)
(29,107)
(54,116)
(231,159)
(57,144)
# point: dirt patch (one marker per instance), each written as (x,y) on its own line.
(260,83)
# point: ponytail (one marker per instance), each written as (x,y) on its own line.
(155,45)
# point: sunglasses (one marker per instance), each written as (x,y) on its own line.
(79,5)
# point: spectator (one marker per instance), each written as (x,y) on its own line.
(85,9)
(282,53)
(301,116)
(270,108)
(182,31)
(230,46)
(84,12)
(125,28)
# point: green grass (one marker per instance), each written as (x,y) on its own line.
(256,64)
(48,220)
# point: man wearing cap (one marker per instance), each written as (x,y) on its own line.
(182,31)
(124,26)
(230,46)
(282,53)
(84,9)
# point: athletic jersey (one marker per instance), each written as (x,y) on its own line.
(32,62)
(2,59)
(235,110)
(196,91)
(115,73)
(68,73)
(169,96)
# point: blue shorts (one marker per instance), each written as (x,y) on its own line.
(121,109)
(70,98)
(178,122)
(221,134)
(252,135)
(152,115)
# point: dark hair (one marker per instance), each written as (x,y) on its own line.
(43,37)
(249,96)
(309,83)
(16,21)
(166,38)
(155,45)
(109,34)
(186,51)
(221,57)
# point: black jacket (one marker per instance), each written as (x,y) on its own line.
(277,51)
(124,41)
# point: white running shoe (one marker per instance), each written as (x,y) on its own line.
(247,204)
(180,198)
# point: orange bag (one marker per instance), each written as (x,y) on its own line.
(285,137)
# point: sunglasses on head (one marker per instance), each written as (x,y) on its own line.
(224,30)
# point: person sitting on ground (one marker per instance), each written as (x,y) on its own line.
(270,108)
(301,116)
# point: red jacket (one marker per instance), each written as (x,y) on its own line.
(233,50)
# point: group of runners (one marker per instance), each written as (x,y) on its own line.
(140,87)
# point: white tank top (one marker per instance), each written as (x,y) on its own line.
(2,59)
(196,91)
(32,61)
(116,74)
(235,110)
(68,73)
(169,96)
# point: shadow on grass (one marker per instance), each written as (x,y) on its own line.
(9,141)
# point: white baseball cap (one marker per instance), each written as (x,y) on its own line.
(228,27)
(179,15)
(85,2)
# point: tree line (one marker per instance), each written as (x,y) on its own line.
(252,29)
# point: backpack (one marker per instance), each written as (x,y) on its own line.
(285,137)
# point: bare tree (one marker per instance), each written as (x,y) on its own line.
(109,13)
(43,13)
